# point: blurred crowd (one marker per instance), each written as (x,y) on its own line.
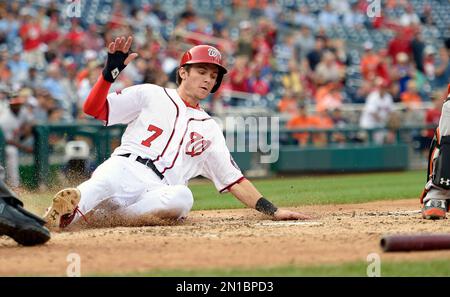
(284,54)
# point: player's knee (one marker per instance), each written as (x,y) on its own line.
(184,197)
(179,202)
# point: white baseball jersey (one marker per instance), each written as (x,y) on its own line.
(183,142)
(10,122)
(379,105)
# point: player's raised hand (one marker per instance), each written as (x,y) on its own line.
(123,45)
(118,57)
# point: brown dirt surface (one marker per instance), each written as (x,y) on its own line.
(240,238)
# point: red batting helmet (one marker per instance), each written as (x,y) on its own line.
(204,54)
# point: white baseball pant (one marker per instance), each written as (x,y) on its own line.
(133,190)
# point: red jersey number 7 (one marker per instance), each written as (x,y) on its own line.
(148,141)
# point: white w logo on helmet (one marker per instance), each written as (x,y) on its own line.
(212,52)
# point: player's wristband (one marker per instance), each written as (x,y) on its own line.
(265,206)
(114,64)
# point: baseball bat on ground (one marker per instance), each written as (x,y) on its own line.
(419,242)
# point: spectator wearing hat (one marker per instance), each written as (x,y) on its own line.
(429,61)
(402,71)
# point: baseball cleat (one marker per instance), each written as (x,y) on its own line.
(63,209)
(434,209)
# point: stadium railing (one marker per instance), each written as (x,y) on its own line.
(356,150)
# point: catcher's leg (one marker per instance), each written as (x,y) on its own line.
(436,194)
(167,202)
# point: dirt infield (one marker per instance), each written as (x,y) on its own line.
(229,239)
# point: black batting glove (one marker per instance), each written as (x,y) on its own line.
(114,65)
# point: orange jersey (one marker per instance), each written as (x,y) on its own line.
(411,98)
(300,122)
(288,105)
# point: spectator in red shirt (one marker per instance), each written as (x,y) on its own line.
(258,84)
(433,115)
(30,32)
(51,34)
(384,66)
(31,35)
(74,41)
(399,44)
(239,76)
(261,46)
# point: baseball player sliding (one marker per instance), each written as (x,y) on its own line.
(169,140)
(436,195)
